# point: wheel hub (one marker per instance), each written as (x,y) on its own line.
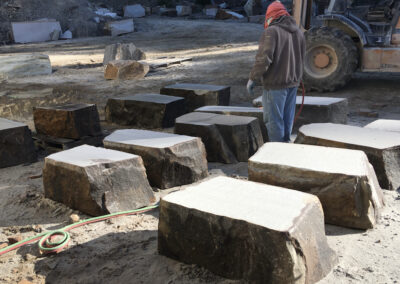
(321,60)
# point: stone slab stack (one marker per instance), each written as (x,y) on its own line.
(318,110)
(170,159)
(72,121)
(16,144)
(198,95)
(97,181)
(145,110)
(381,147)
(343,179)
(385,125)
(227,138)
(245,230)
(240,111)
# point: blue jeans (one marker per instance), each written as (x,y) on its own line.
(279,110)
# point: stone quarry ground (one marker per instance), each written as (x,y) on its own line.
(124,250)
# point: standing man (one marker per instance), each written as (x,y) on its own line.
(279,65)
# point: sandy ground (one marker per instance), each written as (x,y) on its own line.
(124,250)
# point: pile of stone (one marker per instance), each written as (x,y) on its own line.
(122,62)
(67,126)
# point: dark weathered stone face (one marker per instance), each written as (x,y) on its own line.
(145,110)
(16,144)
(197,95)
(343,180)
(228,139)
(246,230)
(67,121)
(170,159)
(381,147)
(97,181)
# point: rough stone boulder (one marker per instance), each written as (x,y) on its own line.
(240,111)
(170,159)
(318,110)
(228,138)
(245,230)
(125,70)
(97,181)
(381,147)
(67,121)
(122,51)
(16,144)
(198,95)
(343,179)
(145,110)
(24,65)
(385,124)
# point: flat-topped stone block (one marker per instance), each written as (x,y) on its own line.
(318,110)
(240,111)
(343,179)
(145,110)
(198,95)
(16,144)
(381,147)
(67,121)
(97,181)
(385,125)
(170,159)
(244,230)
(228,138)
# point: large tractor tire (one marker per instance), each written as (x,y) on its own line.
(331,59)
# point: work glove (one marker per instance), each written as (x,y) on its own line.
(250,87)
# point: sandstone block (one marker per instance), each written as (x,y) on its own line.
(16,144)
(24,65)
(240,111)
(170,159)
(385,125)
(125,70)
(97,181)
(67,121)
(198,95)
(318,110)
(343,179)
(34,31)
(228,139)
(381,147)
(245,230)
(134,11)
(116,28)
(145,110)
(122,51)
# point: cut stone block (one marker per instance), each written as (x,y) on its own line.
(182,10)
(170,159)
(35,31)
(318,110)
(240,111)
(134,11)
(246,230)
(145,110)
(24,65)
(343,180)
(125,70)
(16,144)
(67,121)
(228,138)
(117,28)
(97,181)
(197,95)
(122,51)
(385,125)
(381,147)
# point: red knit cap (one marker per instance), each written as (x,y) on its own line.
(274,11)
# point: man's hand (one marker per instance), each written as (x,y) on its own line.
(250,87)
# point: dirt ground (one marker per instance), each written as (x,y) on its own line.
(124,250)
